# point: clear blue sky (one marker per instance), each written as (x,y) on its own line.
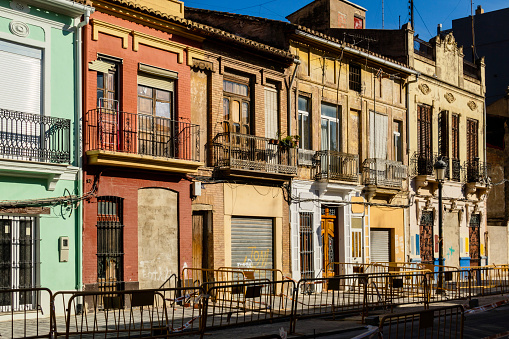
(428,13)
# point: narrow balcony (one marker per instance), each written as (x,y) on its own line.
(33,137)
(476,172)
(334,165)
(305,157)
(384,173)
(423,165)
(251,156)
(122,139)
(35,146)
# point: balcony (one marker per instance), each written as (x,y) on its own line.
(471,70)
(122,139)
(423,48)
(34,146)
(423,165)
(476,178)
(383,173)
(248,156)
(305,157)
(333,165)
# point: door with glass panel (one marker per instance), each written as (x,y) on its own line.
(108,108)
(330,141)
(356,238)
(329,247)
(17,262)
(157,129)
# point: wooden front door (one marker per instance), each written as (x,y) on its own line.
(475,240)
(329,242)
(197,247)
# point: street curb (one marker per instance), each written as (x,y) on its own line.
(487,307)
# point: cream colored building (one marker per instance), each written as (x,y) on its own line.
(447,119)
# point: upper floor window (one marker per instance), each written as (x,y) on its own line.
(355,77)
(397,130)
(443,134)
(304,122)
(236,114)
(331,129)
(455,136)
(107,87)
(271,111)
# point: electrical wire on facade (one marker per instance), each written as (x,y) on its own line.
(66,200)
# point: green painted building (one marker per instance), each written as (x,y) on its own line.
(40,116)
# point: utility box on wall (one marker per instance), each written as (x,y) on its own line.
(63,249)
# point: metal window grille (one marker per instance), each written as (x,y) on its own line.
(475,240)
(18,261)
(306,245)
(110,246)
(355,77)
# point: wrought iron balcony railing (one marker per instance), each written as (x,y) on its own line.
(476,172)
(305,157)
(111,130)
(33,137)
(333,165)
(383,173)
(251,153)
(423,164)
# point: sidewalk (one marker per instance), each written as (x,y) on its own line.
(315,327)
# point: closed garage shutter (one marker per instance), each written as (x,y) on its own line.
(20,71)
(380,245)
(252,242)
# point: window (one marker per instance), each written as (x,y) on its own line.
(455,136)
(156,115)
(271,112)
(424,145)
(378,127)
(110,243)
(304,122)
(18,261)
(331,128)
(306,245)
(443,134)
(397,130)
(472,140)
(355,78)
(357,239)
(236,114)
(107,87)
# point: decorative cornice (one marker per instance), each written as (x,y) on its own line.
(99,26)
(152,41)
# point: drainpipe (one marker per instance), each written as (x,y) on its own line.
(77,142)
(289,98)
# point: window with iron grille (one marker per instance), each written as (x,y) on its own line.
(18,261)
(306,245)
(355,77)
(110,244)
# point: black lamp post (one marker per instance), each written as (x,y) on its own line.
(440,167)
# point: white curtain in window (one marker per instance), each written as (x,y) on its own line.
(378,125)
(20,71)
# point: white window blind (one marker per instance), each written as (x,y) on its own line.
(20,71)
(378,126)
(270,113)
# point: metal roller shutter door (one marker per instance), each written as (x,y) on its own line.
(380,244)
(252,242)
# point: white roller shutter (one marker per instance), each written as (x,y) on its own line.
(20,71)
(252,242)
(380,245)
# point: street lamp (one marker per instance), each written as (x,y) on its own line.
(440,167)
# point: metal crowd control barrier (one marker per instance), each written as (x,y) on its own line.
(257,273)
(192,277)
(137,313)
(341,268)
(26,313)
(444,322)
(249,303)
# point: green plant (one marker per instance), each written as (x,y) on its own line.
(290,141)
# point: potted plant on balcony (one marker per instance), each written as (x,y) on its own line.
(290,141)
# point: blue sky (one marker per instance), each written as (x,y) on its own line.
(428,13)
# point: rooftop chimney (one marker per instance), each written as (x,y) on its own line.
(479,10)
(439,29)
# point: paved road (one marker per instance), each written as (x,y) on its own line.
(486,324)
